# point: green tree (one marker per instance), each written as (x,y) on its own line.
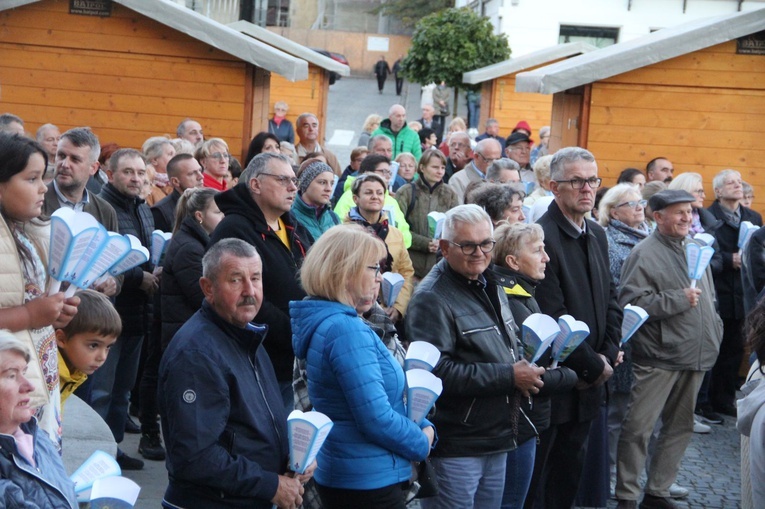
(450,42)
(410,12)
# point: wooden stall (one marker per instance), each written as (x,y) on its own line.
(307,96)
(499,98)
(131,69)
(693,93)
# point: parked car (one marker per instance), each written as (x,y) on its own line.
(333,76)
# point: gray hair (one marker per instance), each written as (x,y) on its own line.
(378,137)
(464,214)
(686,182)
(212,259)
(10,343)
(41,131)
(719,181)
(182,146)
(181,129)
(260,164)
(498,165)
(495,198)
(567,156)
(612,198)
(7,119)
(748,189)
(492,121)
(84,137)
(114,160)
(154,146)
(512,237)
(304,115)
(484,144)
(542,168)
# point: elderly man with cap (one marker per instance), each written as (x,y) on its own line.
(518,148)
(311,206)
(670,352)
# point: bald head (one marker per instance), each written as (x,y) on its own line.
(397,117)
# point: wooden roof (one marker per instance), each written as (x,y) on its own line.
(634,54)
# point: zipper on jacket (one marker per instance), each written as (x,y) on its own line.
(265,400)
(36,473)
(482,329)
(469,410)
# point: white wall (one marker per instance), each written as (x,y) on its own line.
(534,24)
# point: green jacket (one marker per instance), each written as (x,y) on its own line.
(406,140)
(439,198)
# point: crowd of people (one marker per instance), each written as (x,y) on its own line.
(268,299)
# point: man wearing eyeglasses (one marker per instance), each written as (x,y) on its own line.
(577,282)
(257,210)
(459,309)
(518,148)
(486,152)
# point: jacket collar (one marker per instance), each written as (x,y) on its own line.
(564,223)
(249,337)
(116,197)
(513,282)
(425,186)
(192,227)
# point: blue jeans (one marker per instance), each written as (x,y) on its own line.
(520,466)
(111,383)
(468,482)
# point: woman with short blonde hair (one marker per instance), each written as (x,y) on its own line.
(214,157)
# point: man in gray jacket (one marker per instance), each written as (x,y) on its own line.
(671,352)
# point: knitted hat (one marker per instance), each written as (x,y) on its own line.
(309,173)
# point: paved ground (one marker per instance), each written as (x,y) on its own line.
(711,465)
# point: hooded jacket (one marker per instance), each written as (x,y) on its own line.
(244,220)
(406,140)
(356,382)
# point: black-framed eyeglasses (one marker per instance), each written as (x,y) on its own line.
(633,204)
(375,268)
(593,182)
(469,248)
(283,180)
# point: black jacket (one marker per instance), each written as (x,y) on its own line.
(730,292)
(181,294)
(578,283)
(164,211)
(244,220)
(133,217)
(472,327)
(535,416)
(223,418)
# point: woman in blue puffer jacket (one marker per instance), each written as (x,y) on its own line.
(353,378)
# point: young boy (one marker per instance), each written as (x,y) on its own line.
(84,344)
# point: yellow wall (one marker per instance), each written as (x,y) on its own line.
(307,96)
(510,107)
(705,111)
(127,77)
(351,44)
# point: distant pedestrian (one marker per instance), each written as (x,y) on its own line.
(397,75)
(381,71)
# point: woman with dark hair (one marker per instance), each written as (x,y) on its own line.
(262,142)
(502,202)
(196,216)
(25,308)
(632,176)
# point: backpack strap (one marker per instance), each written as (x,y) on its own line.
(412,201)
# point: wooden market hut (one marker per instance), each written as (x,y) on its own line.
(306,96)
(131,69)
(694,93)
(499,98)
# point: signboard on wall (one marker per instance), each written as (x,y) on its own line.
(101,8)
(752,44)
(378,44)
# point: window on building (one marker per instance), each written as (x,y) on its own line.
(599,37)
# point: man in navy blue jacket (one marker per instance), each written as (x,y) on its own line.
(222,413)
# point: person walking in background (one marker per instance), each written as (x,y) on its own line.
(442,96)
(397,75)
(381,72)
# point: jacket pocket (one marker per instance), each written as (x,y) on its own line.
(227,439)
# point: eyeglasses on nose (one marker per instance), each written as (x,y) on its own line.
(283,180)
(470,248)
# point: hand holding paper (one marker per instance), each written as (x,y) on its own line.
(307,432)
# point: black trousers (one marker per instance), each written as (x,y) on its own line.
(381,82)
(389,497)
(399,85)
(724,382)
(558,466)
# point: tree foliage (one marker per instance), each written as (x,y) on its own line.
(450,42)
(409,12)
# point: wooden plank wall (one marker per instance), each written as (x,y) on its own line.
(705,111)
(307,96)
(509,107)
(137,78)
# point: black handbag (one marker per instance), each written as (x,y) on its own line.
(427,479)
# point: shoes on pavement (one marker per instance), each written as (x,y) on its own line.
(150,447)
(676,491)
(700,427)
(132,427)
(627,504)
(708,416)
(654,502)
(127,463)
